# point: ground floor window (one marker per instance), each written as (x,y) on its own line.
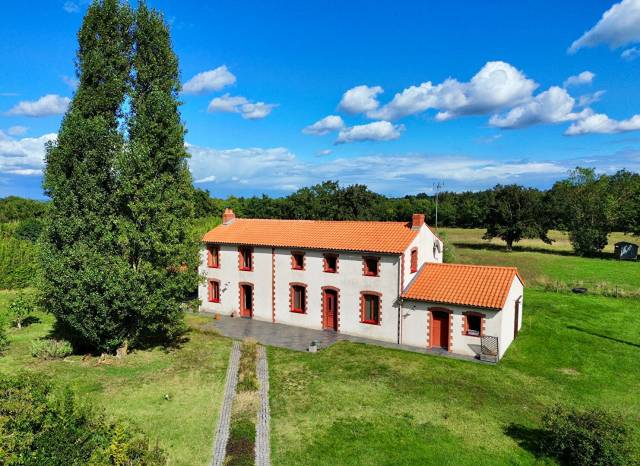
(298,298)
(214,291)
(370,308)
(473,324)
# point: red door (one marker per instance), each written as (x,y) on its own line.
(330,309)
(246,301)
(439,329)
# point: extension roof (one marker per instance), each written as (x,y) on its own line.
(465,285)
(379,237)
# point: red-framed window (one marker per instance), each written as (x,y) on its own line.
(414,260)
(213,256)
(297,260)
(473,324)
(245,258)
(370,308)
(331,263)
(298,298)
(371,266)
(214,291)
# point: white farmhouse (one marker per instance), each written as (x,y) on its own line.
(378,280)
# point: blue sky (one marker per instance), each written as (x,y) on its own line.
(396,95)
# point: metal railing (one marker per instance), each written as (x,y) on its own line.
(489,348)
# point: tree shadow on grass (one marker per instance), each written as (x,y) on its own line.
(606,337)
(30,320)
(516,248)
(528,438)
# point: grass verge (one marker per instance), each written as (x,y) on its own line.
(242,435)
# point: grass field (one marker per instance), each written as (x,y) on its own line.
(173,395)
(356,404)
(550,265)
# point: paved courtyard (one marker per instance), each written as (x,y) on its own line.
(298,338)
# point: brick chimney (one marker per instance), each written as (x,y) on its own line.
(228,216)
(417,220)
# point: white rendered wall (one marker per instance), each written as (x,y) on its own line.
(424,241)
(350,280)
(508,315)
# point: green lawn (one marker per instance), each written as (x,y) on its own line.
(136,388)
(544,265)
(357,404)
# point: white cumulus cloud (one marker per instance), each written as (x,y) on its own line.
(554,105)
(17,130)
(375,131)
(630,54)
(212,80)
(586,77)
(601,124)
(619,26)
(50,104)
(496,86)
(23,156)
(324,126)
(239,104)
(360,99)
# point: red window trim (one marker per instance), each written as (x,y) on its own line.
(324,262)
(293,260)
(241,265)
(414,260)
(465,323)
(292,298)
(213,284)
(210,255)
(365,267)
(362,305)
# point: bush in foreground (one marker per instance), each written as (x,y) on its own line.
(37,427)
(48,348)
(592,437)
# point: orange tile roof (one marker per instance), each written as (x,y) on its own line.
(380,237)
(466,285)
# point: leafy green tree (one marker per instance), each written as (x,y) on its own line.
(86,283)
(516,213)
(21,308)
(155,192)
(589,204)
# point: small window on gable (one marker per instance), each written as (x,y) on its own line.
(214,292)
(297,260)
(414,260)
(473,325)
(298,298)
(370,308)
(246,258)
(331,263)
(371,266)
(213,256)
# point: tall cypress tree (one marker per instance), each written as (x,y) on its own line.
(85,281)
(155,187)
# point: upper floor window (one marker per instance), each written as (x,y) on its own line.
(245,258)
(371,265)
(331,263)
(214,291)
(370,308)
(297,260)
(213,256)
(414,260)
(298,298)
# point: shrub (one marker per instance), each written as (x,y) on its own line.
(29,229)
(449,250)
(592,437)
(4,339)
(48,348)
(37,426)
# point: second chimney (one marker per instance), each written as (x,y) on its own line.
(417,220)
(228,216)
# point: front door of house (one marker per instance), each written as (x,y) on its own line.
(330,309)
(246,301)
(439,329)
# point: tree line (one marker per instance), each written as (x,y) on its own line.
(586,204)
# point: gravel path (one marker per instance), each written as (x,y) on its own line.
(222,432)
(263,447)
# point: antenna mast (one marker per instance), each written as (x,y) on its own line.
(436,188)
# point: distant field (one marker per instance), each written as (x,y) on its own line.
(551,266)
(353,404)
(192,377)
